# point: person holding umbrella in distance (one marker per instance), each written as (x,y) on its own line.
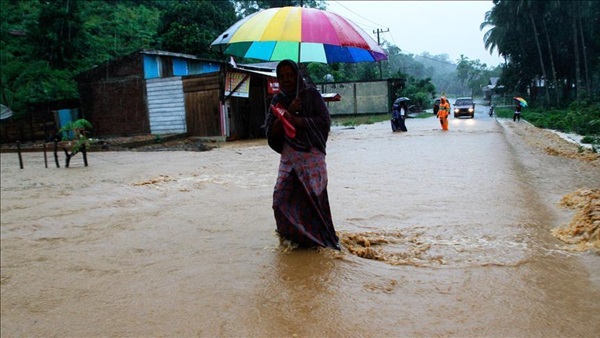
(399,111)
(297,127)
(517,114)
(519,103)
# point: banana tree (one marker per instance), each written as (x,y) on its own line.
(76,131)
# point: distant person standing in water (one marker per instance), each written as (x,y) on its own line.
(517,114)
(398,117)
(300,200)
(444,112)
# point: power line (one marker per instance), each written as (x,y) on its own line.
(409,52)
(339,3)
(377,30)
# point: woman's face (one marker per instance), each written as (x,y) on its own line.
(287,79)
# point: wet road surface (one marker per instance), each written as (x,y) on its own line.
(444,233)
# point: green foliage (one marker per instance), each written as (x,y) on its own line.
(30,82)
(116,29)
(591,140)
(77,131)
(419,91)
(553,40)
(57,35)
(191,26)
(46,43)
(474,75)
(579,120)
(354,120)
(245,8)
(56,40)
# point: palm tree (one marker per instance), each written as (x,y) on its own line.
(575,5)
(584,14)
(545,13)
(494,36)
(531,7)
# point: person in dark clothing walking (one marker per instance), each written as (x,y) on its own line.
(517,114)
(399,116)
(300,199)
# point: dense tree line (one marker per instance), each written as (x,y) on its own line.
(551,43)
(46,43)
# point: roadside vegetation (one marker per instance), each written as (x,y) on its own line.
(356,120)
(46,44)
(575,119)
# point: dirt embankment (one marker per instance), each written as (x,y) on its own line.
(554,145)
(583,232)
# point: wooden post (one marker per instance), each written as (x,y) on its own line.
(45,156)
(84,153)
(19,152)
(56,153)
(68,159)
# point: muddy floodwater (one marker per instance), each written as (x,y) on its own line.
(444,234)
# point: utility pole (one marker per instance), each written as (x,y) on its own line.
(379,44)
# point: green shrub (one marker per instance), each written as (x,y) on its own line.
(77,131)
(591,140)
(578,119)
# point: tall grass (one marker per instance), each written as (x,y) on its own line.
(580,120)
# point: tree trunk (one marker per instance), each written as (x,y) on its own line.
(539,48)
(588,84)
(577,65)
(556,91)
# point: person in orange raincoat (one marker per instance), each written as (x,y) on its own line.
(444,112)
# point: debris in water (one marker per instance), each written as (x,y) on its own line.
(583,232)
(392,248)
(159,179)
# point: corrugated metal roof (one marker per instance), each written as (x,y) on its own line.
(180,55)
(269,74)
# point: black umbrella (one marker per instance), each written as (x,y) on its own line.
(400,100)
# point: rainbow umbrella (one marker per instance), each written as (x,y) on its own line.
(300,34)
(521,101)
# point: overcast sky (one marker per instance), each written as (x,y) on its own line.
(437,27)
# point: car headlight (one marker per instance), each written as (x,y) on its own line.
(456,110)
(470,110)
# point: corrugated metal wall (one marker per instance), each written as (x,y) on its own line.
(166,105)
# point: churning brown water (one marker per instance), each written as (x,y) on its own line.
(445,234)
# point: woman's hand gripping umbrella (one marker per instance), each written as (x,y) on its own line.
(280,113)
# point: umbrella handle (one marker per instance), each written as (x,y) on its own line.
(289,129)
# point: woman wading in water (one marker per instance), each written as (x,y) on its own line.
(300,201)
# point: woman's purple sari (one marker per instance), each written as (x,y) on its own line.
(300,199)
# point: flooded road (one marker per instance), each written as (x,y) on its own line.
(444,233)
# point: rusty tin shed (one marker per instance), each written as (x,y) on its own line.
(153,92)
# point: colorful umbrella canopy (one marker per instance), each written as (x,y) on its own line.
(521,101)
(300,34)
